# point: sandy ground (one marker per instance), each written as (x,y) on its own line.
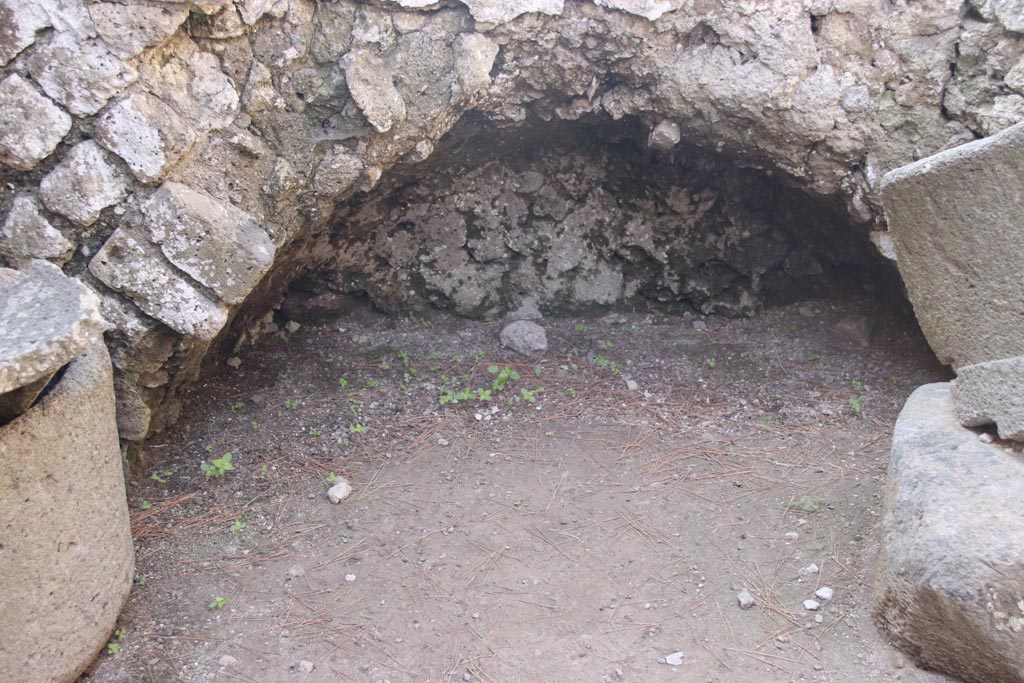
(573,527)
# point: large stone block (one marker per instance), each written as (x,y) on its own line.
(370,82)
(33,125)
(19,23)
(146,133)
(128,29)
(951,581)
(83,184)
(992,393)
(27,235)
(216,243)
(956,222)
(82,76)
(127,264)
(67,563)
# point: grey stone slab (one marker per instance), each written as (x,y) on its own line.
(83,184)
(146,133)
(992,393)
(46,320)
(80,75)
(27,235)
(956,222)
(951,578)
(216,243)
(127,264)
(33,125)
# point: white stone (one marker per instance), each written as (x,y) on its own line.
(305,666)
(825,594)
(227,660)
(339,492)
(82,76)
(501,11)
(474,56)
(129,29)
(213,241)
(812,605)
(21,21)
(746,600)
(32,124)
(146,133)
(27,235)
(369,82)
(674,659)
(127,265)
(648,9)
(83,184)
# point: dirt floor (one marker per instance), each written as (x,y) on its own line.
(574,527)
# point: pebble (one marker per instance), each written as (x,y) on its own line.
(234,362)
(825,593)
(791,536)
(812,605)
(674,659)
(632,385)
(296,571)
(340,491)
(443,442)
(986,437)
(746,600)
(227,660)
(305,666)
(350,578)
(292,327)
(818,619)
(808,570)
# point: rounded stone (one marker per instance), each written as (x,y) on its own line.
(66,557)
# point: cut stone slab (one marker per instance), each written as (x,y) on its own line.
(127,264)
(955,220)
(33,125)
(83,184)
(370,83)
(128,29)
(46,320)
(216,243)
(992,393)
(67,562)
(82,76)
(27,235)
(951,584)
(524,337)
(146,133)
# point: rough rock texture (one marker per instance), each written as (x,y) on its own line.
(992,392)
(27,235)
(67,560)
(525,337)
(951,584)
(286,110)
(46,320)
(955,220)
(83,184)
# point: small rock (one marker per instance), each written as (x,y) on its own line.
(443,442)
(898,661)
(227,660)
(746,600)
(825,594)
(665,135)
(524,337)
(305,667)
(808,570)
(292,327)
(295,572)
(340,491)
(700,326)
(855,329)
(986,437)
(791,536)
(812,605)
(674,659)
(234,362)
(350,578)
(632,385)
(818,619)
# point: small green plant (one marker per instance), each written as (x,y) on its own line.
(217,467)
(384,366)
(813,357)
(218,602)
(314,433)
(502,376)
(372,383)
(711,362)
(157,478)
(263,469)
(238,405)
(538,371)
(793,327)
(332,478)
(479,356)
(342,382)
(357,429)
(291,403)
(858,385)
(856,404)
(572,392)
(530,395)
(606,345)
(580,327)
(744,354)
(766,419)
(145,505)
(255,425)
(238,525)
(113,649)
(807,504)
(404,357)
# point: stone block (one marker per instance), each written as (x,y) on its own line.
(216,243)
(83,184)
(67,561)
(955,220)
(501,11)
(992,393)
(27,235)
(20,21)
(33,125)
(82,76)
(474,56)
(370,84)
(128,29)
(46,320)
(146,133)
(126,263)
(951,581)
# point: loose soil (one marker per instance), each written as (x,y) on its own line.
(571,528)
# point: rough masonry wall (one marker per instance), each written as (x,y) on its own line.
(172,155)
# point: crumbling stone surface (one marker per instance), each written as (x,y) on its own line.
(67,562)
(287,110)
(83,184)
(955,220)
(46,320)
(27,235)
(992,393)
(951,581)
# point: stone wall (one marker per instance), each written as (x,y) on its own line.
(181,158)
